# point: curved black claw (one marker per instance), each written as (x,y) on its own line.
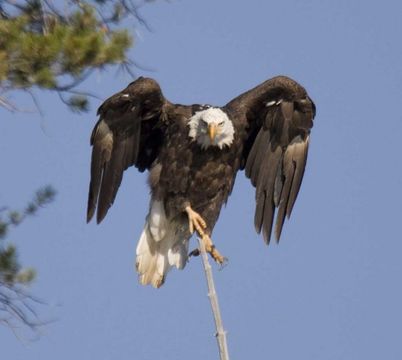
(223,265)
(195,252)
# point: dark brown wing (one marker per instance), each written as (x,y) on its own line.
(129,132)
(279,115)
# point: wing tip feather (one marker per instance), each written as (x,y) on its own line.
(99,220)
(90,214)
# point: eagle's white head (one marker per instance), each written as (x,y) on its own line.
(211,127)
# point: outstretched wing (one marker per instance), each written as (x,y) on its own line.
(278,116)
(129,132)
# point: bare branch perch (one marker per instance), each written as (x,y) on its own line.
(213,297)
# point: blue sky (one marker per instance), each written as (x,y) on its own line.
(328,291)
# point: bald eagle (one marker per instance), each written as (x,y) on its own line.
(193,154)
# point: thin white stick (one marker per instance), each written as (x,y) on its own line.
(213,298)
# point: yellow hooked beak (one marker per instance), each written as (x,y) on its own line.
(212,131)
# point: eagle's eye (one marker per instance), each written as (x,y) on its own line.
(221,123)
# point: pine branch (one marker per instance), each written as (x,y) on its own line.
(47,46)
(213,297)
(17,306)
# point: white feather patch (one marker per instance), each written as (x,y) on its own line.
(157,220)
(162,245)
(273,102)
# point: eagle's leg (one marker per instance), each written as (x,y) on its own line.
(195,221)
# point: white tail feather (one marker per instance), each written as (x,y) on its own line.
(160,247)
(157,220)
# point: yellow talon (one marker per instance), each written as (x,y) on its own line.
(212,250)
(195,221)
